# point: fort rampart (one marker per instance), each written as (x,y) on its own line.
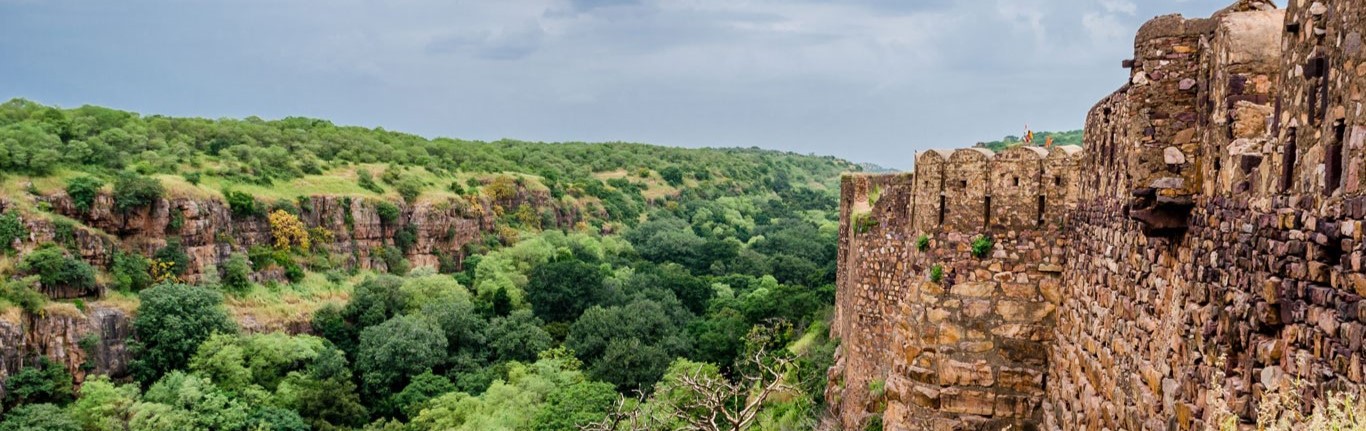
(1210,229)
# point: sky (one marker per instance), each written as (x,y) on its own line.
(866,80)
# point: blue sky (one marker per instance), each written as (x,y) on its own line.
(867,80)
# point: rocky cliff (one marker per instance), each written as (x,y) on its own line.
(93,338)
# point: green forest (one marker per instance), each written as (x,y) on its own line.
(694,289)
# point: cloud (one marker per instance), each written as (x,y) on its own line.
(511,42)
(861,79)
(1119,6)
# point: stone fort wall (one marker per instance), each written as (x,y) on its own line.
(1211,227)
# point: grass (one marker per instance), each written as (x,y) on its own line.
(273,307)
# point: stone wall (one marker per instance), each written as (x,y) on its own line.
(965,348)
(1212,228)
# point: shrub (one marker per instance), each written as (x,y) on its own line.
(237,273)
(981,246)
(321,235)
(387,211)
(64,233)
(936,273)
(192,177)
(135,191)
(83,191)
(393,259)
(21,293)
(367,181)
(864,222)
(131,271)
(672,174)
(502,188)
(176,222)
(242,204)
(173,253)
(922,243)
(409,188)
(288,230)
(406,238)
(54,267)
(11,230)
(36,417)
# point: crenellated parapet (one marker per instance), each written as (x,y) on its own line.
(1205,246)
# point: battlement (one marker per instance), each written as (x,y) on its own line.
(975,190)
(1212,227)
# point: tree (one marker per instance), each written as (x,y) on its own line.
(269,418)
(38,417)
(45,382)
(376,300)
(573,406)
(171,323)
(424,387)
(324,394)
(392,352)
(518,337)
(560,291)
(104,406)
(697,397)
(83,190)
(629,346)
(666,240)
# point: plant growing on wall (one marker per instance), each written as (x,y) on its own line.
(922,243)
(936,273)
(981,245)
(874,195)
(864,222)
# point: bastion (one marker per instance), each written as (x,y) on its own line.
(1207,236)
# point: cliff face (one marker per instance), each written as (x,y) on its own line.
(94,340)
(87,341)
(1210,237)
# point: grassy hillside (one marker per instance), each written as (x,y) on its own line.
(683,259)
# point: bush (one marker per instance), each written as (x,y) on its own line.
(393,259)
(83,191)
(864,222)
(237,273)
(131,271)
(173,254)
(367,181)
(54,268)
(672,174)
(936,273)
(409,188)
(136,191)
(981,246)
(406,238)
(922,243)
(192,177)
(288,230)
(243,204)
(21,293)
(11,230)
(387,211)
